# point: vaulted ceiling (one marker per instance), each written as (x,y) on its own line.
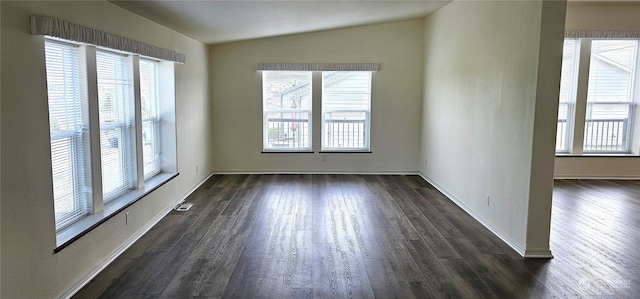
(216,21)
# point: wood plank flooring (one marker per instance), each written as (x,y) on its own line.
(372,236)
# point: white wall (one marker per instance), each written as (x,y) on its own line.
(396,98)
(30,269)
(487,128)
(600,16)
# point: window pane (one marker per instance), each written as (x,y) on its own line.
(346,100)
(568,80)
(150,118)
(609,99)
(68,142)
(287,110)
(114,89)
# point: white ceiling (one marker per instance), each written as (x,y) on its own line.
(218,21)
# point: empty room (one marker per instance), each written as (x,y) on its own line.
(319,149)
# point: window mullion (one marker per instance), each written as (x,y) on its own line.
(89,53)
(634,140)
(581,97)
(317,117)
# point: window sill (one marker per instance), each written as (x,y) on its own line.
(346,152)
(75,231)
(596,155)
(287,152)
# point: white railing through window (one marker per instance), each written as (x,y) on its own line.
(606,135)
(345,129)
(288,128)
(607,126)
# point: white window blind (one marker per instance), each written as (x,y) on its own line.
(346,103)
(68,134)
(150,117)
(286,110)
(610,98)
(114,104)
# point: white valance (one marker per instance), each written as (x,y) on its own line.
(309,67)
(605,34)
(50,26)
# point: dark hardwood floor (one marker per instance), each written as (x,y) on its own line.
(366,236)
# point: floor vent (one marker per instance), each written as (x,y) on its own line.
(185,206)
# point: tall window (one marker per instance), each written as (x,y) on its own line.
(610,95)
(114,103)
(69,136)
(286,110)
(150,117)
(107,130)
(570,59)
(602,99)
(346,102)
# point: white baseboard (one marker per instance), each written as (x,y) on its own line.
(538,254)
(80,283)
(577,177)
(479,218)
(315,172)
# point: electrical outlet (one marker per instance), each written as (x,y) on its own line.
(324,158)
(126,218)
(196,167)
(488,200)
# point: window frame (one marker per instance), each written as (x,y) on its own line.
(580,128)
(317,117)
(267,135)
(103,207)
(366,129)
(78,148)
(153,119)
(565,132)
(124,124)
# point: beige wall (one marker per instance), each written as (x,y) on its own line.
(482,96)
(30,269)
(396,98)
(601,16)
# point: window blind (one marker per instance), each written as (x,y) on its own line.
(114,102)
(611,70)
(68,136)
